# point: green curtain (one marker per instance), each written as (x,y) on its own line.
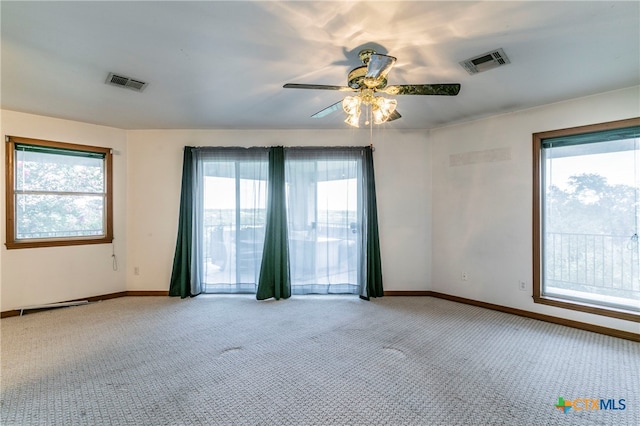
(181,276)
(275,280)
(373,262)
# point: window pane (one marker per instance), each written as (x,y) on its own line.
(324,237)
(55,216)
(590,223)
(234,195)
(60,173)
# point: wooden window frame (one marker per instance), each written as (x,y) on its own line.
(538,297)
(11,241)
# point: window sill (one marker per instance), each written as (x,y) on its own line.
(589,308)
(57,243)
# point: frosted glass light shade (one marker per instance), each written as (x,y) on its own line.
(351,105)
(353,119)
(382,109)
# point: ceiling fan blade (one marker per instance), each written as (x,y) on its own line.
(318,86)
(423,89)
(394,116)
(379,65)
(328,110)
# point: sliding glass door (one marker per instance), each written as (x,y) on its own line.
(324,210)
(234,212)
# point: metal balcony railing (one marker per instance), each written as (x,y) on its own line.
(599,264)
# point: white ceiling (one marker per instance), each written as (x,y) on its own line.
(221,65)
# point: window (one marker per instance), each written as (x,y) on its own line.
(586,195)
(58,194)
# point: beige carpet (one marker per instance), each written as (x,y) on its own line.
(323,360)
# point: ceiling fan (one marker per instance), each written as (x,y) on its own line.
(366,81)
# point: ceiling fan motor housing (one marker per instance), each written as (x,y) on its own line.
(356,79)
(365,55)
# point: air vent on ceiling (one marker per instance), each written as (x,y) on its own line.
(129,83)
(486,61)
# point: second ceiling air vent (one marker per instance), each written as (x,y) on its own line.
(485,62)
(126,82)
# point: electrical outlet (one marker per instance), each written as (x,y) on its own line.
(464,276)
(136,270)
(522,285)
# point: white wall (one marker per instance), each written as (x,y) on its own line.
(402,180)
(53,274)
(482,201)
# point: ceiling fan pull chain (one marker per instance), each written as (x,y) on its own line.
(370,126)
